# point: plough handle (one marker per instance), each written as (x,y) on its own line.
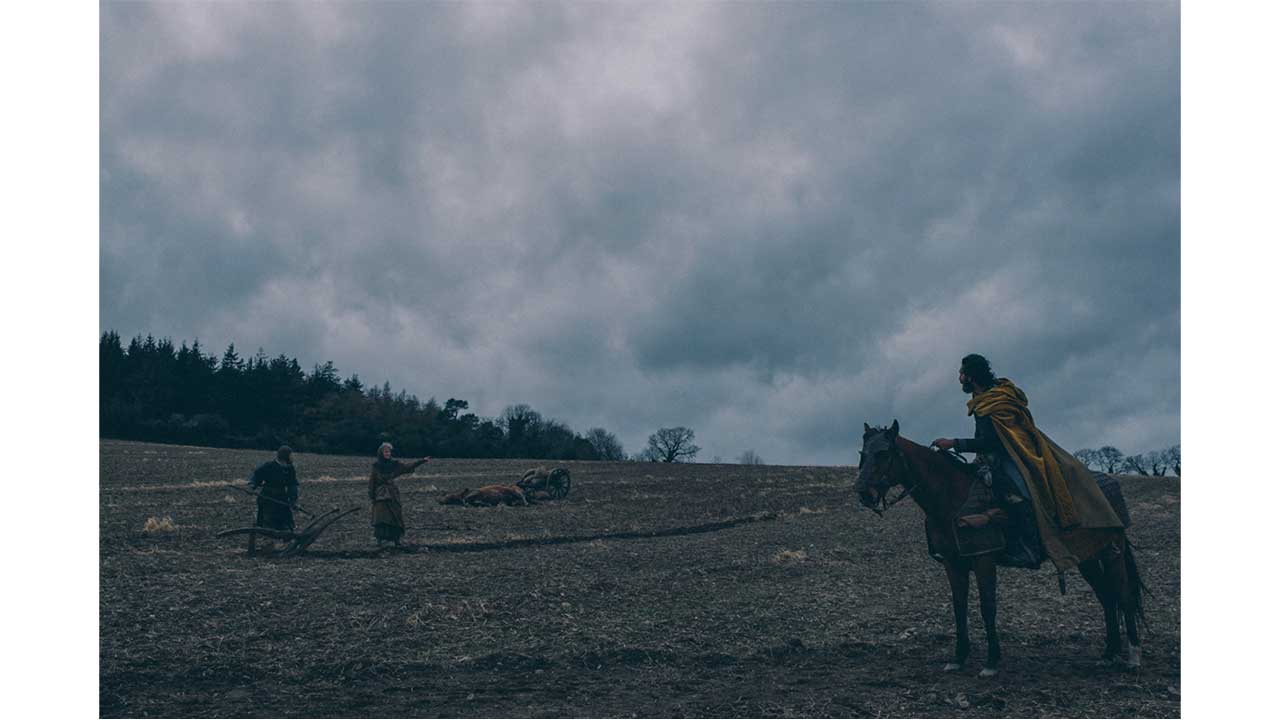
(247,491)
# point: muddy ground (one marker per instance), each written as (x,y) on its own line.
(652,590)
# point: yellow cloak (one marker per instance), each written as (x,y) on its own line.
(1074,517)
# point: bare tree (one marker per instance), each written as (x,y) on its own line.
(1158,461)
(606,444)
(1088,457)
(1135,463)
(750,458)
(673,444)
(1110,459)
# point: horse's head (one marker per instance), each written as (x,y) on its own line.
(881,465)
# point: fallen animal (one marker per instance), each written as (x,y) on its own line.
(458,498)
(496,495)
(490,495)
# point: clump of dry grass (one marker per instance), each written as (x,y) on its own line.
(155,525)
(790,556)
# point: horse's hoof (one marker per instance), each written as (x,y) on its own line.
(988,672)
(1134,660)
(951,667)
(1107,661)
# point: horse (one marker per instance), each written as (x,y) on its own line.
(940,485)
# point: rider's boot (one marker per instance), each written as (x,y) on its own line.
(1019,552)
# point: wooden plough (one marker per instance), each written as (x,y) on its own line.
(298,541)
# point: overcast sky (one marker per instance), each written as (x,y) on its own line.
(769,223)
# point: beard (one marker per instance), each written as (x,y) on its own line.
(967,386)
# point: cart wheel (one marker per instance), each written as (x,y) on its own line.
(558,483)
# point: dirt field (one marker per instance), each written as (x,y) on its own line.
(652,590)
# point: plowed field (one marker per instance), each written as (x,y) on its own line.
(651,590)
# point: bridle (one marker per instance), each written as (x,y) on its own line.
(897,456)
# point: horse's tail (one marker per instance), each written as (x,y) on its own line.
(1131,569)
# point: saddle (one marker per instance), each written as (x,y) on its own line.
(979,526)
(980,510)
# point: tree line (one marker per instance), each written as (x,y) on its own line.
(1157,463)
(155,391)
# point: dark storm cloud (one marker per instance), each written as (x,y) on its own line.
(767,222)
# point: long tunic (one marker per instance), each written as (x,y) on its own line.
(279,483)
(388,514)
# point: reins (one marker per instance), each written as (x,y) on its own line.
(913,476)
(906,491)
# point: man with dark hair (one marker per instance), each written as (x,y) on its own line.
(1055,506)
(1022,540)
(279,482)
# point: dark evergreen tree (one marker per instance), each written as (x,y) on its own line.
(151,390)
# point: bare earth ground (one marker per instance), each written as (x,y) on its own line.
(769,593)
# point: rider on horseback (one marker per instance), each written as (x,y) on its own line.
(1022,539)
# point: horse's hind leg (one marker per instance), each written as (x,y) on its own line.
(1095,574)
(1121,583)
(1133,659)
(958,576)
(985,568)
(1130,601)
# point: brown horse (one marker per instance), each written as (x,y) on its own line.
(940,485)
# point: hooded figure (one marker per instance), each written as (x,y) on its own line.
(278,480)
(388,514)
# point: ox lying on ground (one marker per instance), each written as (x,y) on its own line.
(491,495)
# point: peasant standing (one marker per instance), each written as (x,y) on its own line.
(277,485)
(388,514)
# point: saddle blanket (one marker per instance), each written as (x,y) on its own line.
(1110,488)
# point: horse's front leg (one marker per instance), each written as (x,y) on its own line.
(985,568)
(958,576)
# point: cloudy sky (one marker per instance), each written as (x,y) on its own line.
(769,223)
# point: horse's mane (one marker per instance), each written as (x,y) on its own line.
(951,460)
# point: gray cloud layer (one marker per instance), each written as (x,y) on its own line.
(766,222)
